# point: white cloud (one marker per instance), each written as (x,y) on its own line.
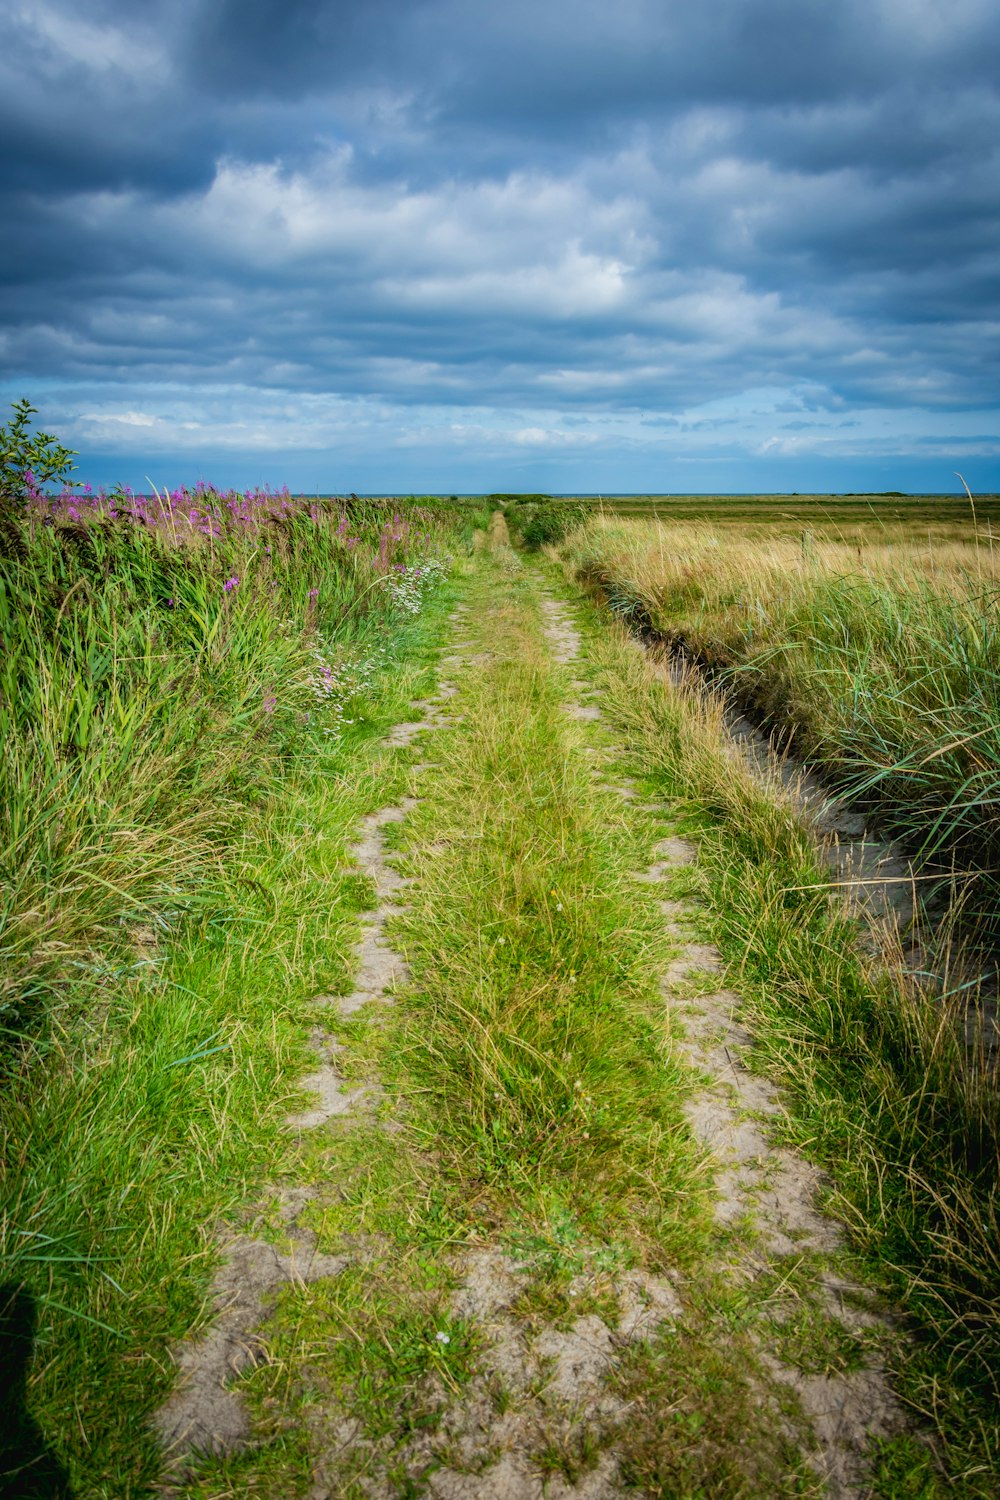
(521,235)
(70,39)
(542,437)
(128,418)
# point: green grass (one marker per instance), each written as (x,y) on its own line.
(542,1109)
(534,1035)
(827,514)
(878,658)
(176,888)
(689,1399)
(532,1106)
(150,692)
(872,1069)
(530,1100)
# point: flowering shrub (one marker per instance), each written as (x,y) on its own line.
(408,584)
(238,585)
(202,510)
(339,687)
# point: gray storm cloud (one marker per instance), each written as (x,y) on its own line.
(557,236)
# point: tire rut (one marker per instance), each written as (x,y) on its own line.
(763,1184)
(206,1414)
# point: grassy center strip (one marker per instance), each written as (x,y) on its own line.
(534,1037)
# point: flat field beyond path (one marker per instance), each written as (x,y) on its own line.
(547,1233)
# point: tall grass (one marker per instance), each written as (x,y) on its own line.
(152,676)
(874,1068)
(879,659)
(181,706)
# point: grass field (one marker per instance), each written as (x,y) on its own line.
(204,699)
(876,653)
(826,514)
(829,513)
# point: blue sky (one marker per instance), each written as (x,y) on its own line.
(462,246)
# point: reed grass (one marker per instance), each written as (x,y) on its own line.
(150,688)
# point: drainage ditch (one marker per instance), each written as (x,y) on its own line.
(910,909)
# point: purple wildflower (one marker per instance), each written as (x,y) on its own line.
(231,584)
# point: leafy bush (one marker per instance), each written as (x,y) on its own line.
(540,521)
(29,459)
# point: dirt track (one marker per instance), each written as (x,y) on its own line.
(558,1375)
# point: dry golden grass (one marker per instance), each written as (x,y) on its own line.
(759,560)
(879,656)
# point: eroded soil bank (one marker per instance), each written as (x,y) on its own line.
(545,1234)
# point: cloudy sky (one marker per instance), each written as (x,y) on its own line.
(465,245)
